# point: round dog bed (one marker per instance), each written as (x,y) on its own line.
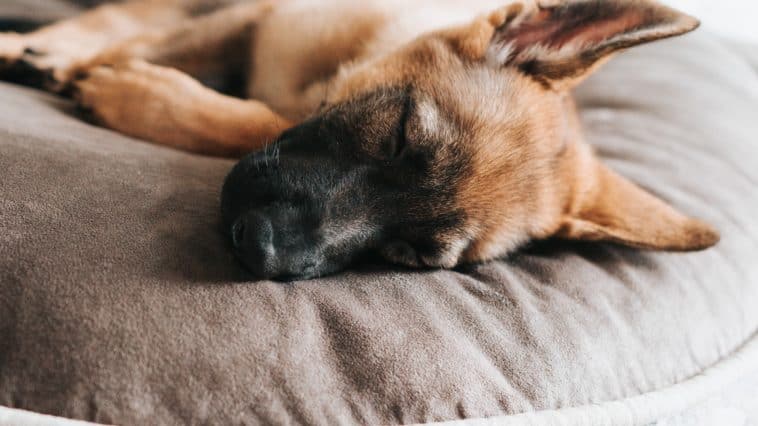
(120,302)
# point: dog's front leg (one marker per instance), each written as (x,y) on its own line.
(166,106)
(212,45)
(47,57)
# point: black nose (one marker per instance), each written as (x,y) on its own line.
(253,239)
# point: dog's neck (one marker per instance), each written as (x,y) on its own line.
(402,25)
(394,23)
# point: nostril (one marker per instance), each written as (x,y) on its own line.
(238,233)
(252,236)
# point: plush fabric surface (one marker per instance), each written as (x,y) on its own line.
(38,10)
(119,301)
(736,405)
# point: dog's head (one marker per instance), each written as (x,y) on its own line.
(456,148)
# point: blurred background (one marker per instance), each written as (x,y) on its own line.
(736,19)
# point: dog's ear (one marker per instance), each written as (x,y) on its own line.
(559,42)
(609,208)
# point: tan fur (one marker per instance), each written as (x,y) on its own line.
(123,95)
(531,173)
(60,47)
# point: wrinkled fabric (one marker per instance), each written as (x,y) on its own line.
(121,303)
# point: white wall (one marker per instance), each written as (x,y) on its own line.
(733,18)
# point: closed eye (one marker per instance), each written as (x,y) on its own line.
(400,138)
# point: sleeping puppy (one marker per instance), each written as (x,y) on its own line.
(434,132)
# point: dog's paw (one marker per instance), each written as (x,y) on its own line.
(121,96)
(103,93)
(21,61)
(11,49)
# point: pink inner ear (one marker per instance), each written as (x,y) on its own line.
(548,30)
(599,31)
(536,30)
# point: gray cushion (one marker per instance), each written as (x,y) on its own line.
(38,10)
(120,302)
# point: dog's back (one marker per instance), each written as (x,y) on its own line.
(304,42)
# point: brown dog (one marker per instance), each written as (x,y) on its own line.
(433,132)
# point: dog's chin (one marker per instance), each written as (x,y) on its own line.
(309,273)
(252,275)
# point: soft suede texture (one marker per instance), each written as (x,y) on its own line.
(38,10)
(121,303)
